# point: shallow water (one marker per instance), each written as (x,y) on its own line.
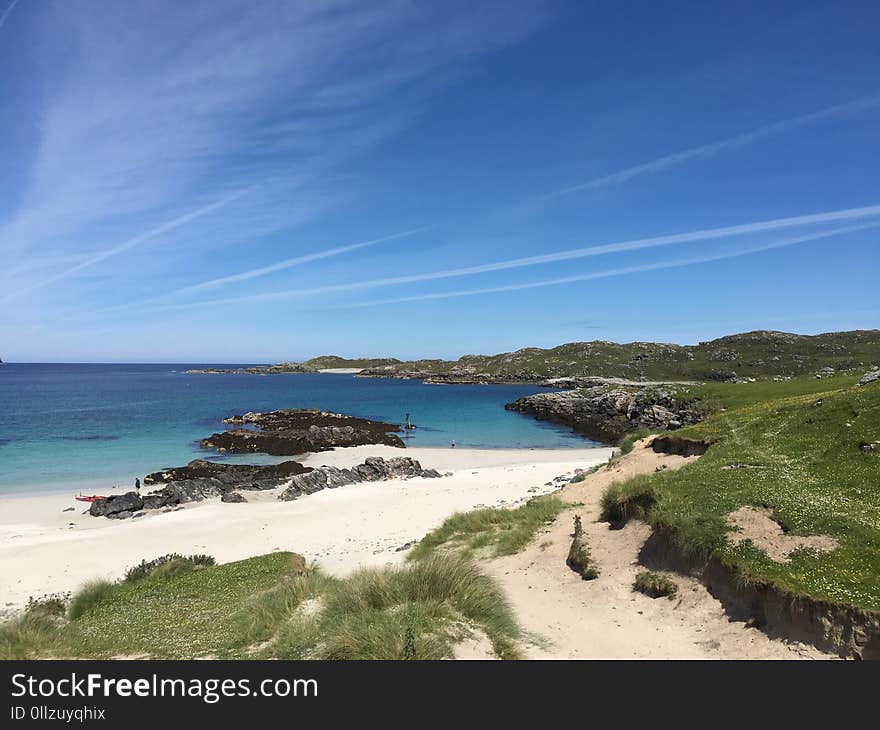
(82,425)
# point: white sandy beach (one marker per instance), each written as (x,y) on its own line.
(44,549)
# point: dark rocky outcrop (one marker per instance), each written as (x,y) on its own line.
(201,480)
(284,367)
(299,431)
(607,413)
(227,473)
(678,446)
(111,506)
(373,469)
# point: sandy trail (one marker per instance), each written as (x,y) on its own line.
(44,549)
(605,618)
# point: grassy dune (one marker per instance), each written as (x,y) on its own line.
(272,607)
(799,454)
(497,530)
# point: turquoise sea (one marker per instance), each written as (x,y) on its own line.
(84,426)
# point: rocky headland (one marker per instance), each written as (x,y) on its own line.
(284,367)
(299,431)
(608,412)
(737,357)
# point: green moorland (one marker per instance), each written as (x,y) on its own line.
(757,354)
(334,361)
(271,606)
(803,449)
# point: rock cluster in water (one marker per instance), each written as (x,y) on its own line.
(607,413)
(298,431)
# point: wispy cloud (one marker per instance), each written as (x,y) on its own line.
(664,163)
(289,263)
(622,271)
(126,245)
(849,214)
(153,108)
(6,13)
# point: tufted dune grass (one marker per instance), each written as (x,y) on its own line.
(502,531)
(266,607)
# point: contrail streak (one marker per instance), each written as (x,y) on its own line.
(622,271)
(850,214)
(290,263)
(131,243)
(8,12)
(662,163)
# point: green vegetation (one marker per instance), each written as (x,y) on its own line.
(758,354)
(627,442)
(806,454)
(271,607)
(505,531)
(88,597)
(51,605)
(325,362)
(171,564)
(655,585)
(714,397)
(419,612)
(579,559)
(29,636)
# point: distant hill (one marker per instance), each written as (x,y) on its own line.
(751,354)
(325,362)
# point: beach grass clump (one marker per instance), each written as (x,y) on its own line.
(503,531)
(632,499)
(579,558)
(168,565)
(92,594)
(273,607)
(795,451)
(655,585)
(31,635)
(259,618)
(419,611)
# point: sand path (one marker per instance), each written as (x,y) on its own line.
(605,618)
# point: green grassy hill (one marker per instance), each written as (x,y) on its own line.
(812,457)
(752,354)
(334,361)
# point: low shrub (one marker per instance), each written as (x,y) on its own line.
(168,565)
(655,585)
(579,559)
(54,604)
(623,501)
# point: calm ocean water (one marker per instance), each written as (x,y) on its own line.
(84,426)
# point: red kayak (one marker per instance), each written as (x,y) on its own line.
(92,498)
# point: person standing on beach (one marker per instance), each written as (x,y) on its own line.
(453,445)
(137,484)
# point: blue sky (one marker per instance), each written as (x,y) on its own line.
(259,181)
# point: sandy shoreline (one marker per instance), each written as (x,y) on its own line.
(45,549)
